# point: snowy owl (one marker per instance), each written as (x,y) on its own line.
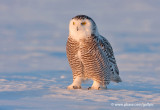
(90,55)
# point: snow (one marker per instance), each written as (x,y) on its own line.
(34,71)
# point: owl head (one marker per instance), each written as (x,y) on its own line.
(82,26)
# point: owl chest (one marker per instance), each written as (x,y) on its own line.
(81,50)
(84,52)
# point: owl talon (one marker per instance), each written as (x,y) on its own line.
(92,88)
(73,87)
(89,88)
(76,87)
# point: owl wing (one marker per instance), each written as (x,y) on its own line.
(107,48)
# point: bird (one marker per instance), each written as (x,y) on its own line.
(90,55)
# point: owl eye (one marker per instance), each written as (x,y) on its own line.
(73,23)
(83,23)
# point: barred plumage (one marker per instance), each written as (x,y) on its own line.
(90,55)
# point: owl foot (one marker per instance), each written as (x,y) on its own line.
(73,87)
(96,85)
(76,83)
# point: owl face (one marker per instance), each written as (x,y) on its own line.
(81,27)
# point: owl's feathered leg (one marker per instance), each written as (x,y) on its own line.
(97,86)
(76,83)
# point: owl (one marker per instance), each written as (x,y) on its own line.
(90,55)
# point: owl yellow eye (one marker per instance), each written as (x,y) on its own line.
(83,23)
(73,23)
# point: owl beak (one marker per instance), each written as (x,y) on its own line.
(77,29)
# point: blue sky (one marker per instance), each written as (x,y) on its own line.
(35,29)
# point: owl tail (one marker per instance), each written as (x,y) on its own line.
(116,78)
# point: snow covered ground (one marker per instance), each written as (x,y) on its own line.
(34,71)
